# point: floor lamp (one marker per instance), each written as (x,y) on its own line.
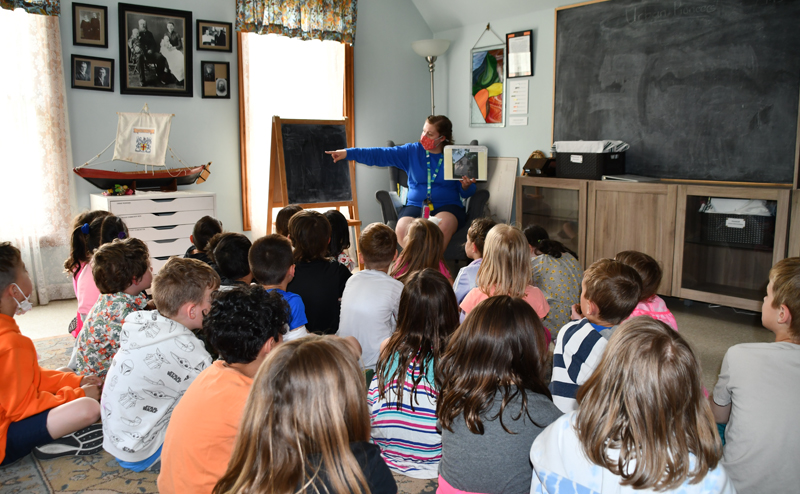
(430,49)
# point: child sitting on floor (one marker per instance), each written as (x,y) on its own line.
(467,276)
(205,228)
(305,427)
(340,239)
(373,322)
(38,406)
(228,251)
(424,249)
(610,291)
(243,325)
(494,400)
(642,425)
(758,394)
(505,271)
(319,280)
(650,304)
(159,356)
(402,395)
(283,217)
(273,267)
(122,271)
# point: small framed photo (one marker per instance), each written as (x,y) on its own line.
(214,36)
(466,161)
(89,25)
(216,79)
(155,57)
(92,73)
(519,47)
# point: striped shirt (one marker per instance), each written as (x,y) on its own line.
(579,348)
(409,440)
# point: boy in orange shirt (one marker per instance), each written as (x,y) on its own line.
(38,406)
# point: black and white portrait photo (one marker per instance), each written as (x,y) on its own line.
(92,73)
(101,77)
(83,73)
(214,36)
(89,25)
(222,88)
(208,72)
(155,50)
(216,79)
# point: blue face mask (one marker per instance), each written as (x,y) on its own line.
(25,305)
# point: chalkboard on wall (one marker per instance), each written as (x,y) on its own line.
(704,90)
(311,175)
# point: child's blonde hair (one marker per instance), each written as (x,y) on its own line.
(506,265)
(308,398)
(785,277)
(645,402)
(424,249)
(181,281)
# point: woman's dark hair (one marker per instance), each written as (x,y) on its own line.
(205,228)
(443,126)
(539,239)
(340,233)
(229,252)
(309,232)
(242,319)
(79,240)
(500,347)
(427,316)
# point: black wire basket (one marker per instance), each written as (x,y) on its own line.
(726,228)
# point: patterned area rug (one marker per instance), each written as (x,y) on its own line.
(100,473)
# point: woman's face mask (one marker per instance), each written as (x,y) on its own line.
(429,143)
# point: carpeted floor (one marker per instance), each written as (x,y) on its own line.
(100,473)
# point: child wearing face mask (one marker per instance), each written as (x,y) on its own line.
(38,406)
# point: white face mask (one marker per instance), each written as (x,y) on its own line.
(25,305)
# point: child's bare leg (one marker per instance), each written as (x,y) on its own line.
(72,416)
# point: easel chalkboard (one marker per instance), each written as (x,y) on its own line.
(302,174)
(701,90)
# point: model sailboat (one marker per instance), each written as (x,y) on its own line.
(143,139)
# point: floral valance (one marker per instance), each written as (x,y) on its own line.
(307,19)
(43,7)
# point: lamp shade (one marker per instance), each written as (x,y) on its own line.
(430,47)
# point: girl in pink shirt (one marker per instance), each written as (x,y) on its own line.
(650,304)
(505,270)
(424,249)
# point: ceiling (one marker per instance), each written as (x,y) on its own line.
(443,15)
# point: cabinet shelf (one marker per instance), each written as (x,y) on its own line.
(726,245)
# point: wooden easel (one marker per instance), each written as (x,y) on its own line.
(278,195)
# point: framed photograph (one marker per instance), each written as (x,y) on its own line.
(154,56)
(216,79)
(487,79)
(89,25)
(92,73)
(465,161)
(214,36)
(519,47)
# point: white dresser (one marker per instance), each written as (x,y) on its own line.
(164,220)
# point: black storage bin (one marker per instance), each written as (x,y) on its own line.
(591,166)
(757,231)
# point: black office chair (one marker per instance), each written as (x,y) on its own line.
(476,208)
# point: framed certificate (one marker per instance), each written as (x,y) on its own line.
(519,47)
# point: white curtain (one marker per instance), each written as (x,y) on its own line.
(290,78)
(34,173)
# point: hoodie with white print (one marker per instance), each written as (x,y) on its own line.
(158,359)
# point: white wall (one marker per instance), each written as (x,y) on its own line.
(203,130)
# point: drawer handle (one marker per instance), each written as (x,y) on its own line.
(168,241)
(164,214)
(171,227)
(163,200)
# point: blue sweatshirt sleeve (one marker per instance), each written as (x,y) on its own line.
(468,192)
(397,156)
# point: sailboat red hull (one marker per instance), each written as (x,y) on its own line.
(106,179)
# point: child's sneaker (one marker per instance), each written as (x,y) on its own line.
(87,441)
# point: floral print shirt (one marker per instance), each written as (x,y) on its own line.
(560,280)
(99,339)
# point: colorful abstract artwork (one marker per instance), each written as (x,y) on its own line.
(488,82)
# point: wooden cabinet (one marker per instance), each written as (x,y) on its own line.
(558,205)
(632,216)
(794,230)
(718,259)
(163,220)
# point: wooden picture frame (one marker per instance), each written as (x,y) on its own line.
(216,77)
(214,36)
(92,73)
(158,62)
(89,25)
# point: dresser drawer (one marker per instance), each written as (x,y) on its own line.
(161,205)
(165,219)
(158,262)
(172,247)
(162,232)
